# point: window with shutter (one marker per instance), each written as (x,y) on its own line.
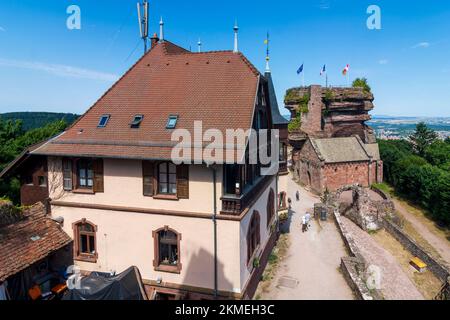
(147,178)
(67,174)
(183,181)
(98,175)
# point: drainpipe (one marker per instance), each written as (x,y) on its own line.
(214,219)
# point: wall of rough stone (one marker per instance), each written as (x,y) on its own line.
(340,174)
(309,168)
(439,268)
(311,120)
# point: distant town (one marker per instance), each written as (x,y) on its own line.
(393,128)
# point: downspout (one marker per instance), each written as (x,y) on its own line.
(214,219)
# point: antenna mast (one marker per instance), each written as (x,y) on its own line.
(142,9)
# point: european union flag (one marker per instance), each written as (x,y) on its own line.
(300,70)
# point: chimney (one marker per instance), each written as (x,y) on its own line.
(154,40)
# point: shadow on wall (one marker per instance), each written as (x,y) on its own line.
(201,270)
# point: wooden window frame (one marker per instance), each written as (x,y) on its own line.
(253,236)
(77,255)
(156,261)
(87,161)
(67,173)
(166,194)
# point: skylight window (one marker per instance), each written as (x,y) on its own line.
(172,122)
(136,121)
(103,121)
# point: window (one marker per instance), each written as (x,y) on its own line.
(29,179)
(103,121)
(253,235)
(167,250)
(172,122)
(136,121)
(85,174)
(85,244)
(42,180)
(282,200)
(270,206)
(167,178)
(67,174)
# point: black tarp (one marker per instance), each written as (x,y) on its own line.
(124,286)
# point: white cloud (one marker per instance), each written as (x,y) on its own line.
(60,70)
(421,45)
(383,61)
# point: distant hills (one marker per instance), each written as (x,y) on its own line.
(32,120)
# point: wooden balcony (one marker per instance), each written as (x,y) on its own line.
(283,168)
(236,204)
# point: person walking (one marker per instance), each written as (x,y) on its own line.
(297,195)
(308,219)
(303,223)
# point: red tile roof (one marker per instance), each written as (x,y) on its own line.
(18,251)
(218,88)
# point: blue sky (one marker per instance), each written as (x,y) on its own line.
(46,67)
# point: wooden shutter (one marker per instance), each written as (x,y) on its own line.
(97,165)
(148,172)
(183,181)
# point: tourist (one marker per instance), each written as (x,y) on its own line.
(308,219)
(304,225)
(297,195)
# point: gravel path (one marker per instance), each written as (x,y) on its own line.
(310,270)
(439,243)
(395,284)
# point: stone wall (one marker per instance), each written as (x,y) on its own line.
(439,268)
(353,267)
(334,112)
(336,175)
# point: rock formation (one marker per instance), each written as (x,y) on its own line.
(331,112)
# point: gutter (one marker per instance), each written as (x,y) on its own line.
(214,220)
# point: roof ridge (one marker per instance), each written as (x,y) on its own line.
(249,64)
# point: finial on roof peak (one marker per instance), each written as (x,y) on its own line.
(161,30)
(236,29)
(267,42)
(199,43)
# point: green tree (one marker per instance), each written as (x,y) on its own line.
(362,83)
(438,154)
(422,138)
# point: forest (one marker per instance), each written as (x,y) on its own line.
(419,170)
(13,140)
(34,120)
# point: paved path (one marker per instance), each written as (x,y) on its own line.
(395,284)
(438,242)
(311,267)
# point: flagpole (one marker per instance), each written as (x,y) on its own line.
(326,80)
(303,79)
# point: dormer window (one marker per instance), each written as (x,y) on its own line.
(103,121)
(172,122)
(136,121)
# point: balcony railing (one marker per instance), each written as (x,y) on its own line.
(235,204)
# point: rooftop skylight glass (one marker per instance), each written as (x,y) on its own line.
(103,121)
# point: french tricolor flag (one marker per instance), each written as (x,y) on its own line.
(324,70)
(347,67)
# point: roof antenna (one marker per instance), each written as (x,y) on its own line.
(199,43)
(161,30)
(236,29)
(267,41)
(143,21)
